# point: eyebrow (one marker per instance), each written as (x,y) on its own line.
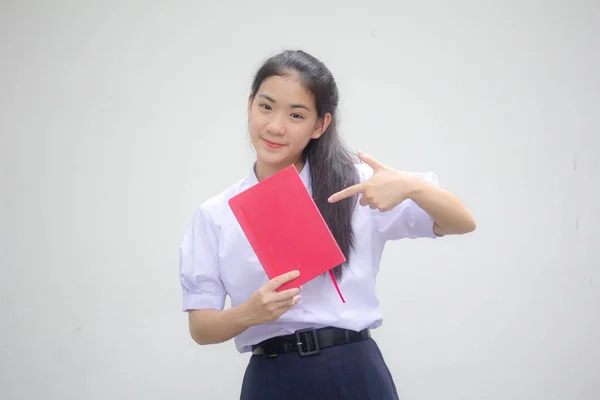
(272,100)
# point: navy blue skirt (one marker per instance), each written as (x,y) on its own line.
(350,371)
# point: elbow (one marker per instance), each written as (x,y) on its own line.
(201,339)
(461,227)
(198,338)
(469,225)
(197,327)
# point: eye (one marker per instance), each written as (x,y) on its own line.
(297,116)
(265,106)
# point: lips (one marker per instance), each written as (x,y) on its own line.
(272,145)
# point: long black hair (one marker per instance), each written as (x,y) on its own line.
(331,164)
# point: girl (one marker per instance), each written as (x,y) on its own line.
(305,343)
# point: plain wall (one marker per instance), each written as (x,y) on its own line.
(117,119)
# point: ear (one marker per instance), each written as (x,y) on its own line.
(322,125)
(250,100)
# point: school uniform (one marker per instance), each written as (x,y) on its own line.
(343,361)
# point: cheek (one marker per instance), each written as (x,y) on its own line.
(301,135)
(256,124)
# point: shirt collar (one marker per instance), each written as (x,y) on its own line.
(304,175)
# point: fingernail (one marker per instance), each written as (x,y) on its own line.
(296,273)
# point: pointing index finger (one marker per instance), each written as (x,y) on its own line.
(348,192)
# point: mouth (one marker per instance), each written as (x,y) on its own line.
(272,145)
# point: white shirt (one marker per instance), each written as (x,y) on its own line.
(216,260)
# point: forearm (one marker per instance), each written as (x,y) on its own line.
(213,326)
(449,213)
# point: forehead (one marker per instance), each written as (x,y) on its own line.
(287,90)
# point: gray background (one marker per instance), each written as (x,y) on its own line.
(118,119)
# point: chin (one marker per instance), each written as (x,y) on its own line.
(275,159)
(270,158)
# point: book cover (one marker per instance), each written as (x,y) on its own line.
(285,228)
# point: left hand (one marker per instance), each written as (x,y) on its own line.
(384,190)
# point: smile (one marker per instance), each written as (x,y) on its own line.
(272,144)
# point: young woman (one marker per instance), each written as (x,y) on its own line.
(306,343)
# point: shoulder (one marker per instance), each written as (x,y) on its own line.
(215,209)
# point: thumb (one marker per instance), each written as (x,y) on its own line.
(370,161)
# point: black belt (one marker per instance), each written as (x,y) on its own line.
(309,341)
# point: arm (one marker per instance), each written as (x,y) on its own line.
(412,205)
(204,292)
(450,215)
(202,288)
(211,326)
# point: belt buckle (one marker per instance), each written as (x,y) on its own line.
(307,333)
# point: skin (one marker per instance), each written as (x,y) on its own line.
(387,188)
(282,112)
(282,119)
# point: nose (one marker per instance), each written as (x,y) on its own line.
(276,126)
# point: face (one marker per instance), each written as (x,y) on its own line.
(282,120)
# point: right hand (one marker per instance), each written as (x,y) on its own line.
(266,305)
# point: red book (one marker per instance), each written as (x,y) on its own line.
(286,230)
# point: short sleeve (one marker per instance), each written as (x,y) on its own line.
(406,220)
(199,265)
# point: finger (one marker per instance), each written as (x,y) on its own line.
(370,161)
(345,193)
(364,200)
(286,295)
(295,300)
(287,304)
(274,283)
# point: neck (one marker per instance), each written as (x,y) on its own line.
(263,171)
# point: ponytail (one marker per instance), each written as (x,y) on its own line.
(331,170)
